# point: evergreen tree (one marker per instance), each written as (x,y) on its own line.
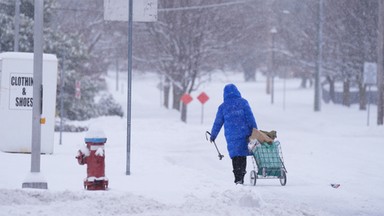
(72,54)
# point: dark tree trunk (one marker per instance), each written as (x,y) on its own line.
(166,89)
(249,68)
(346,93)
(183,112)
(304,81)
(362,97)
(331,88)
(177,93)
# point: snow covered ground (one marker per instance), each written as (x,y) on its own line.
(175,171)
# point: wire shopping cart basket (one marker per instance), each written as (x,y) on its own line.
(269,163)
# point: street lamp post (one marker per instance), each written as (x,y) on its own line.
(273,32)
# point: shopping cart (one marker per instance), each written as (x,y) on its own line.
(269,162)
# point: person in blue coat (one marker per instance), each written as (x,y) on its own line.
(238,120)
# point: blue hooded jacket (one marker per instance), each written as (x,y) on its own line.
(238,120)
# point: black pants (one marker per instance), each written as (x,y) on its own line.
(239,163)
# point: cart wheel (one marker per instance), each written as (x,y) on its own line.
(283,178)
(253,177)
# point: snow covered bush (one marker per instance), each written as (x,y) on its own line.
(108,106)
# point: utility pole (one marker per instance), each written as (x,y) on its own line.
(272,80)
(17,26)
(272,23)
(380,62)
(317,105)
(35,180)
(129,95)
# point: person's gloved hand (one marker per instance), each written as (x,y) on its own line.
(212,139)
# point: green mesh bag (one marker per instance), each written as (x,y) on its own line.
(268,159)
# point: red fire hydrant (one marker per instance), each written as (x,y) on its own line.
(93,155)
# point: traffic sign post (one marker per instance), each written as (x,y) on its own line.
(203,97)
(369,79)
(130,11)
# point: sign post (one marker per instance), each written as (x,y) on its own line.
(369,79)
(203,97)
(130,11)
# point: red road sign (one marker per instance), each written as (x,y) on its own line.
(186,98)
(203,97)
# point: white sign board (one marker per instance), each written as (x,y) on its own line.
(143,10)
(370,73)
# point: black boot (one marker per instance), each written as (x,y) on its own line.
(239,164)
(239,178)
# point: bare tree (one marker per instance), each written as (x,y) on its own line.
(187,38)
(350,39)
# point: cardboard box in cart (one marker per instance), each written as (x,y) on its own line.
(16,102)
